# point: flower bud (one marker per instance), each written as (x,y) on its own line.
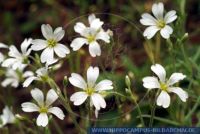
(127,81)
(65,81)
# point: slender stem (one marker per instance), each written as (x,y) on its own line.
(193,109)
(157,52)
(153,111)
(65,103)
(57,127)
(170,48)
(138,109)
(163,120)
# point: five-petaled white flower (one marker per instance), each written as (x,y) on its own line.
(14,77)
(51,44)
(166,86)
(41,75)
(7,117)
(43,107)
(18,60)
(90,35)
(90,89)
(159,22)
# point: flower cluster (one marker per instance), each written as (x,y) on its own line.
(92,90)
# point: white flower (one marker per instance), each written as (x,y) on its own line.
(14,77)
(41,75)
(43,106)
(166,86)
(7,117)
(90,35)
(51,44)
(18,60)
(159,22)
(90,89)
(1,55)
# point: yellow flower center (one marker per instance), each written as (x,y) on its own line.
(43,110)
(89,91)
(91,38)
(161,23)
(163,86)
(51,42)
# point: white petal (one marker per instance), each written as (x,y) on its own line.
(47,31)
(10,81)
(98,101)
(13,52)
(77,43)
(57,112)
(1,57)
(59,34)
(166,31)
(159,71)
(170,17)
(29,107)
(42,71)
(42,120)
(38,44)
(28,81)
(25,44)
(92,75)
(91,17)
(96,113)
(79,28)
(8,116)
(163,99)
(77,81)
(150,82)
(94,49)
(150,31)
(102,35)
(183,95)
(9,62)
(175,77)
(96,24)
(147,20)
(38,95)
(47,55)
(51,97)
(78,98)
(61,50)
(2,45)
(28,74)
(104,85)
(158,10)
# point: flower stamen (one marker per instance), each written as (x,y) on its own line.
(89,91)
(51,42)
(90,38)
(161,23)
(43,110)
(163,86)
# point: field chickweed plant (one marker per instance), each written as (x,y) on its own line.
(87,84)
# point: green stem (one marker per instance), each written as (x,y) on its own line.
(153,110)
(188,116)
(157,52)
(170,48)
(57,127)
(139,110)
(163,120)
(65,103)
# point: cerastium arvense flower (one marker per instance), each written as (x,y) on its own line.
(24,68)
